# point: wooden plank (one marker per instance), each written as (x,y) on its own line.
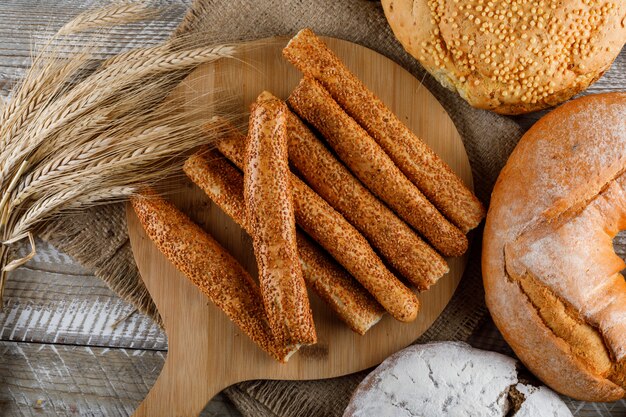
(54,300)
(52,380)
(40,379)
(24,23)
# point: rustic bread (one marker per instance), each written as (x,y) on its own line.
(552,279)
(451,379)
(511,57)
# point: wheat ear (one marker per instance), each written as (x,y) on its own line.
(93,90)
(112,15)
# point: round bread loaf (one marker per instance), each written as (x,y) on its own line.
(512,56)
(451,379)
(552,278)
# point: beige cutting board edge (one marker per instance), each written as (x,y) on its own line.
(206,352)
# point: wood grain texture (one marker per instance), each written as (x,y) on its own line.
(73,380)
(201,339)
(26,23)
(48,302)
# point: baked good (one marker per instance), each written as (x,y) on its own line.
(269,212)
(209,267)
(369,162)
(414,157)
(223,183)
(397,243)
(335,234)
(511,57)
(448,379)
(552,279)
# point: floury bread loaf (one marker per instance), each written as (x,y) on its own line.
(511,56)
(449,379)
(552,278)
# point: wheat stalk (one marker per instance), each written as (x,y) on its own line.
(98,88)
(139,54)
(30,100)
(71,139)
(112,15)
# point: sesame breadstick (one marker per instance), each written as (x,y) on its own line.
(223,183)
(335,234)
(415,158)
(209,267)
(269,211)
(393,238)
(367,160)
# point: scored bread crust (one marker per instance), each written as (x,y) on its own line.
(551,276)
(514,57)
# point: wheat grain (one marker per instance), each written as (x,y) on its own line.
(112,15)
(98,88)
(138,54)
(74,134)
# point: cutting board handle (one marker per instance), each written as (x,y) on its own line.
(181,399)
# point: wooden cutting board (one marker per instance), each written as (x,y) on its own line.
(207,353)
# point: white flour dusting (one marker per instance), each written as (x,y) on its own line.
(447,379)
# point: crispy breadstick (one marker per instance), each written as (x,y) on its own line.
(209,267)
(335,234)
(369,162)
(223,184)
(269,211)
(393,238)
(414,157)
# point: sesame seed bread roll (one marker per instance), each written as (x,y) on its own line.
(209,267)
(394,239)
(223,184)
(369,162)
(335,234)
(514,56)
(269,210)
(415,158)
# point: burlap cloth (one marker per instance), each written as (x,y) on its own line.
(98,239)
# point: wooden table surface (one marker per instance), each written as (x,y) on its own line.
(59,352)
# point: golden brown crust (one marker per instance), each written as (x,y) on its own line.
(373,167)
(333,284)
(511,57)
(393,238)
(269,212)
(209,267)
(223,184)
(417,161)
(335,234)
(551,275)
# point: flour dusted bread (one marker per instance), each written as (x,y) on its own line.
(511,57)
(552,279)
(450,379)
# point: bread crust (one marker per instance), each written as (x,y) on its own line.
(223,184)
(413,156)
(335,234)
(551,276)
(369,162)
(269,212)
(512,58)
(209,267)
(394,239)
